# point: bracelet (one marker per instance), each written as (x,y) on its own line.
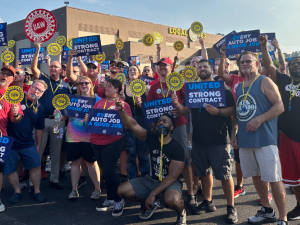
(219,113)
(17,115)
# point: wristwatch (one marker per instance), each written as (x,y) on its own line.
(219,113)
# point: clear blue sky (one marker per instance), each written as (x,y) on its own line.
(217,16)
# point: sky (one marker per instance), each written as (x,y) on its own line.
(217,16)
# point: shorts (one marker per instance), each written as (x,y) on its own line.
(180,135)
(237,155)
(1,167)
(76,150)
(216,158)
(29,156)
(263,161)
(289,153)
(143,186)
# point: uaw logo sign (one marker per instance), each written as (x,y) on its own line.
(249,108)
(14,95)
(40,24)
(61,101)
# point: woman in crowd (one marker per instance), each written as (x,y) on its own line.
(78,145)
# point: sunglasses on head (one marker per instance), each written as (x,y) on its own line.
(82,83)
(92,67)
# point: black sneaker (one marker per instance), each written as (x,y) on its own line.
(58,186)
(205,206)
(231,215)
(118,208)
(82,181)
(192,201)
(295,213)
(181,219)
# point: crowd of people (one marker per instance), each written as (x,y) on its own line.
(259,122)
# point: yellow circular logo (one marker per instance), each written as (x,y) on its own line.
(7,56)
(61,101)
(197,27)
(203,35)
(148,40)
(178,46)
(54,49)
(137,87)
(119,43)
(189,73)
(70,43)
(61,40)
(11,44)
(14,94)
(176,66)
(158,36)
(99,58)
(121,77)
(175,81)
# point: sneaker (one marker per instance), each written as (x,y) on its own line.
(269,197)
(107,204)
(205,206)
(31,190)
(231,215)
(123,178)
(57,185)
(74,195)
(295,213)
(238,191)
(62,173)
(15,198)
(67,166)
(39,198)
(181,219)
(81,182)
(48,167)
(146,214)
(95,194)
(118,208)
(192,201)
(43,174)
(25,174)
(22,184)
(282,222)
(2,207)
(262,217)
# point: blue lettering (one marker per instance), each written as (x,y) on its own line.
(217,84)
(169,100)
(1,26)
(4,140)
(92,39)
(211,85)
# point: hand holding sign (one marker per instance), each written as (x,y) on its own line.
(201,41)
(72,52)
(60,102)
(119,105)
(37,44)
(174,99)
(263,40)
(15,110)
(223,50)
(211,110)
(14,95)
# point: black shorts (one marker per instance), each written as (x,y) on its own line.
(76,150)
(1,168)
(237,155)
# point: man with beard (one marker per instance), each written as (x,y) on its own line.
(288,122)
(28,76)
(211,149)
(167,162)
(8,111)
(113,70)
(258,103)
(160,90)
(19,80)
(56,86)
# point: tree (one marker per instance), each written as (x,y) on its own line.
(293,54)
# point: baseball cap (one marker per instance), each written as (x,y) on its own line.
(28,70)
(165,60)
(111,61)
(10,68)
(123,63)
(93,62)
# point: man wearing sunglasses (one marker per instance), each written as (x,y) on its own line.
(56,86)
(7,111)
(147,71)
(19,80)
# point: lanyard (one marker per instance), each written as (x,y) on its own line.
(52,86)
(245,97)
(161,159)
(34,108)
(162,90)
(95,84)
(198,79)
(292,95)
(72,85)
(111,105)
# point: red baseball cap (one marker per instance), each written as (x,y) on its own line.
(10,68)
(165,60)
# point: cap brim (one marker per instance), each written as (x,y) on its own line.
(8,70)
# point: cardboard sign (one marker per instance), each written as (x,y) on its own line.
(154,109)
(65,57)
(222,41)
(104,65)
(131,58)
(26,55)
(147,80)
(3,34)
(90,45)
(198,94)
(5,145)
(102,121)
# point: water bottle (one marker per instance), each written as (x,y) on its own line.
(189,146)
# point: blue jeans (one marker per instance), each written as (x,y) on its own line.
(136,147)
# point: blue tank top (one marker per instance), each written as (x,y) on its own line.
(256,104)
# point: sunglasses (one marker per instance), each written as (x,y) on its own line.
(146,70)
(82,83)
(9,74)
(18,73)
(92,67)
(246,61)
(113,65)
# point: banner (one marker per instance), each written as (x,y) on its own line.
(222,41)
(130,58)
(146,79)
(198,94)
(90,45)
(154,109)
(78,106)
(65,57)
(26,55)
(5,145)
(3,34)
(104,65)
(102,121)
(272,54)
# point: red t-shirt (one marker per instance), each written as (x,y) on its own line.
(6,112)
(25,87)
(155,93)
(156,79)
(101,139)
(98,90)
(234,83)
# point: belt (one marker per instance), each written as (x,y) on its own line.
(49,116)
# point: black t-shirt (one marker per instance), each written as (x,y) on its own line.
(289,121)
(134,108)
(171,151)
(211,130)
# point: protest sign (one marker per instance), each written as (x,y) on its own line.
(148,40)
(3,34)
(146,79)
(11,43)
(197,27)
(121,77)
(272,54)
(104,65)
(175,81)
(70,42)
(137,87)
(90,45)
(154,109)
(99,58)
(119,44)
(189,73)
(178,46)
(78,106)
(198,94)
(26,55)
(65,57)
(54,49)
(132,58)
(5,145)
(7,56)
(14,95)
(222,41)
(61,101)
(102,121)
(61,40)
(158,36)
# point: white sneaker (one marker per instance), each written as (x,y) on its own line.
(2,207)
(67,166)
(107,205)
(22,185)
(48,167)
(262,217)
